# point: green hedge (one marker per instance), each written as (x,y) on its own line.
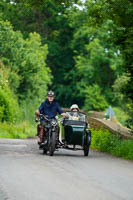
(9,109)
(104,141)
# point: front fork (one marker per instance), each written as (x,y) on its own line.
(50,134)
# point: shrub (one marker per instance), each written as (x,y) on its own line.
(101,140)
(9,108)
(105,142)
(124,149)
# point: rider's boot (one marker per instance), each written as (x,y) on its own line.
(41,135)
(38,128)
(43,140)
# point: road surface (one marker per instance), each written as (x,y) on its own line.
(27,174)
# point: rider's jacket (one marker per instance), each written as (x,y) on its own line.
(50,110)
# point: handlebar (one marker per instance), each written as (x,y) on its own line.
(41,115)
(44,116)
(48,119)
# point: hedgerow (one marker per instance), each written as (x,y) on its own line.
(104,141)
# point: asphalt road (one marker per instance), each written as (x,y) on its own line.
(27,174)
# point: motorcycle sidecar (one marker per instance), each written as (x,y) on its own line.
(75,133)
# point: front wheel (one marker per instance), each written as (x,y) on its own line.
(52,143)
(44,151)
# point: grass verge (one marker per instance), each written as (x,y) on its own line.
(20,131)
(104,141)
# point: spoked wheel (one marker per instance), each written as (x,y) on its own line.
(52,143)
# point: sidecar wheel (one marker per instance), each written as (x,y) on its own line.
(86,150)
(86,145)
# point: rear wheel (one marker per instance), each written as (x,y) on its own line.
(52,143)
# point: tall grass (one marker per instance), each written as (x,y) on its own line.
(27,110)
(21,130)
(25,124)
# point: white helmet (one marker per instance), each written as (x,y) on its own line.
(74,106)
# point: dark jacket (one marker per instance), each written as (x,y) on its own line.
(50,109)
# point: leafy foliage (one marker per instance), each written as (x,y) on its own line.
(105,142)
(20,130)
(84,45)
(9,108)
(101,140)
(94,100)
(29,75)
(121,115)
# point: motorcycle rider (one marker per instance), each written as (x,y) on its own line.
(49,107)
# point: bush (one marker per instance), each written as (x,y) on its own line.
(102,140)
(9,109)
(124,149)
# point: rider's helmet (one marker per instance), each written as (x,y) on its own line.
(74,106)
(50,93)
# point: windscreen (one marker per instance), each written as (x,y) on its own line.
(76,116)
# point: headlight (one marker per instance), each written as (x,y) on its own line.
(53,122)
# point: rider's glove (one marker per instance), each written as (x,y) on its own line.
(36,119)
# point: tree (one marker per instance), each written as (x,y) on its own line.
(49,19)
(29,75)
(94,99)
(9,109)
(84,44)
(98,60)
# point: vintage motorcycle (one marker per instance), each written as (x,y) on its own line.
(51,129)
(75,133)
